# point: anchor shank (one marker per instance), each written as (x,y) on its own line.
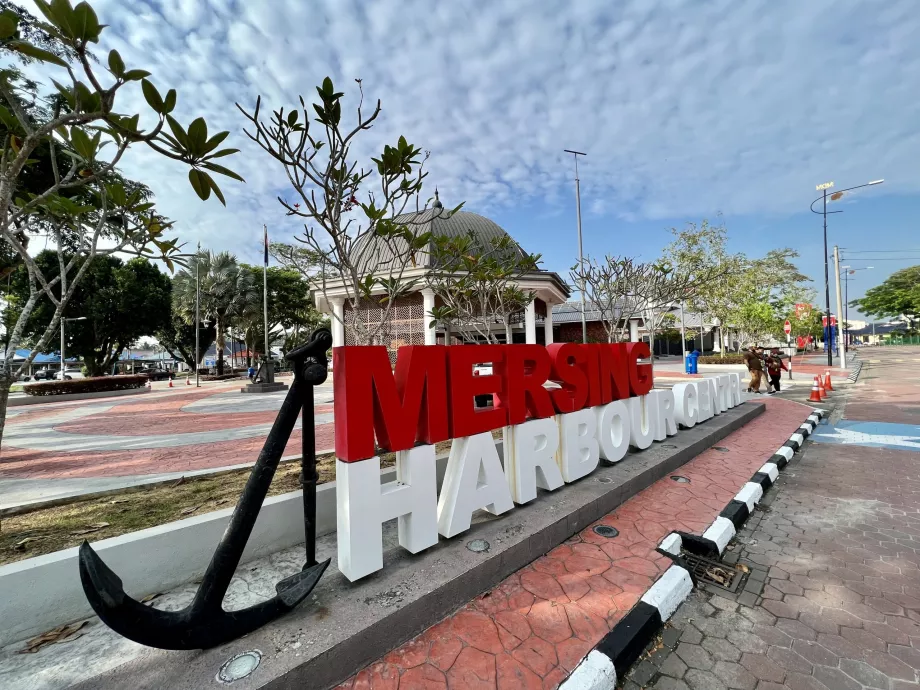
(230,548)
(308,475)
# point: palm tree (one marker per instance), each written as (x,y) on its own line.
(226,290)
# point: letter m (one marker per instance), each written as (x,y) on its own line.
(398,408)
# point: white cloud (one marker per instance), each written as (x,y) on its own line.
(683,107)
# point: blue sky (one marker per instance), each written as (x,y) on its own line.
(686,109)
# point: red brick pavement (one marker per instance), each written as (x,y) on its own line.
(152,415)
(532,629)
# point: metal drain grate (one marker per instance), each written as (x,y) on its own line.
(713,572)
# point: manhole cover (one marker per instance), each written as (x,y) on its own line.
(240,666)
(478,545)
(721,449)
(604,480)
(712,572)
(668,446)
(680,480)
(606,531)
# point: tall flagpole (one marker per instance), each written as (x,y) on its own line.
(197,314)
(268,358)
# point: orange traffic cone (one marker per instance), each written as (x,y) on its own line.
(170,383)
(188,381)
(821,389)
(148,384)
(815,392)
(827,381)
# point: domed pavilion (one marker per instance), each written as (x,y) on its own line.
(410,317)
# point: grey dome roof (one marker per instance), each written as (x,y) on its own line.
(440,222)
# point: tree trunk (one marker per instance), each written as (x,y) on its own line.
(219,347)
(5,383)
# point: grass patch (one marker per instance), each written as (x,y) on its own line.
(61,527)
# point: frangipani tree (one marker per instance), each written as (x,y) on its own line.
(477,283)
(84,207)
(363,223)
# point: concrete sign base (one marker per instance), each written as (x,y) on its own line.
(347,625)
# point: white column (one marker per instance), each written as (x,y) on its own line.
(634,330)
(530,323)
(548,325)
(431,336)
(338,321)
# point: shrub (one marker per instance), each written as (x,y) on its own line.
(222,377)
(732,358)
(93,385)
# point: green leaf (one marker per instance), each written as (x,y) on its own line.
(292,118)
(62,17)
(198,135)
(222,153)
(200,183)
(214,141)
(34,52)
(177,131)
(9,119)
(223,171)
(9,23)
(81,143)
(45,9)
(116,64)
(154,100)
(169,103)
(216,189)
(86,23)
(135,74)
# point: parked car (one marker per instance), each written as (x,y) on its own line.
(70,374)
(155,374)
(43,375)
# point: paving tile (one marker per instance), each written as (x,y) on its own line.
(763,668)
(694,656)
(673,666)
(835,679)
(863,673)
(703,680)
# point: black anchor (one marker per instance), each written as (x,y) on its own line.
(204,623)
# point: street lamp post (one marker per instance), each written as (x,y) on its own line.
(827,287)
(581,264)
(63,358)
(847,272)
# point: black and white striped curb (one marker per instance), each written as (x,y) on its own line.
(717,536)
(622,646)
(854,372)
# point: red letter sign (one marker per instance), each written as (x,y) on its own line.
(568,360)
(614,372)
(402,409)
(464,387)
(640,375)
(525,397)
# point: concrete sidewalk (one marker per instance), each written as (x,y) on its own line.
(832,601)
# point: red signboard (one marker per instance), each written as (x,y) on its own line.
(787,327)
(429,397)
(824,321)
(802,310)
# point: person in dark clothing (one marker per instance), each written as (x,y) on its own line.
(754,365)
(775,369)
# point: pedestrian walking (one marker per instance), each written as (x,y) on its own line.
(754,363)
(775,369)
(251,372)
